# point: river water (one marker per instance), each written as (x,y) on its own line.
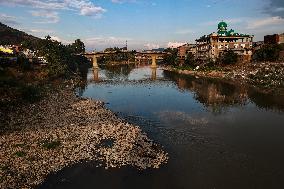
(219,134)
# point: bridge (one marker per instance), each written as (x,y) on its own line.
(154,56)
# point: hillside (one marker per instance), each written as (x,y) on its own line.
(13,36)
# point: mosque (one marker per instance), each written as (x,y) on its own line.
(214,45)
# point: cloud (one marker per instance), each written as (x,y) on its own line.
(151,46)
(48,16)
(175,44)
(59,39)
(270,21)
(84,7)
(41,4)
(105,41)
(275,8)
(7,19)
(90,11)
(123,1)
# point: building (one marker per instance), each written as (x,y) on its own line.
(185,49)
(6,50)
(214,45)
(274,39)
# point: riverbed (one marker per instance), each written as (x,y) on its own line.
(218,133)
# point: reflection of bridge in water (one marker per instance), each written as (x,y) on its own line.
(139,56)
(96,77)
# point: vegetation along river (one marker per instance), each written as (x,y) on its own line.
(219,134)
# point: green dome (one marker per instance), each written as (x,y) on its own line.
(222,25)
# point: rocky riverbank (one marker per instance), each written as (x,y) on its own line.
(259,74)
(62,130)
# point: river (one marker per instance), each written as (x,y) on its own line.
(219,134)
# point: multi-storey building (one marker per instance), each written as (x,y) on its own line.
(274,39)
(214,45)
(185,49)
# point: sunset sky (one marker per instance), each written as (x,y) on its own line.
(145,24)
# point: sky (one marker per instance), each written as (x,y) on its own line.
(144,24)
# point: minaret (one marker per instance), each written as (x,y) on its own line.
(126,46)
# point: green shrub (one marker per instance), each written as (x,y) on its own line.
(20,154)
(24,63)
(50,144)
(229,57)
(31,93)
(268,53)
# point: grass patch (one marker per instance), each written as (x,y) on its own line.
(50,145)
(31,93)
(184,67)
(20,154)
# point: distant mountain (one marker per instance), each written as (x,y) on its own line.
(11,36)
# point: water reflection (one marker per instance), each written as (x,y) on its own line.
(273,100)
(96,75)
(123,73)
(154,73)
(217,94)
(118,72)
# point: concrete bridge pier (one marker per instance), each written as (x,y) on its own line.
(154,61)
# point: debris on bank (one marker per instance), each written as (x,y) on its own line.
(62,130)
(264,74)
(260,74)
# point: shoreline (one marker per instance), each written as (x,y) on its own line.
(62,130)
(263,75)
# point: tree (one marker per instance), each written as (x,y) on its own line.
(268,53)
(189,60)
(171,58)
(78,47)
(27,45)
(229,57)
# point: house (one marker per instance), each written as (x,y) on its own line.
(6,50)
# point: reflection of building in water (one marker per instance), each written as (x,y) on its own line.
(154,73)
(214,45)
(218,94)
(213,93)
